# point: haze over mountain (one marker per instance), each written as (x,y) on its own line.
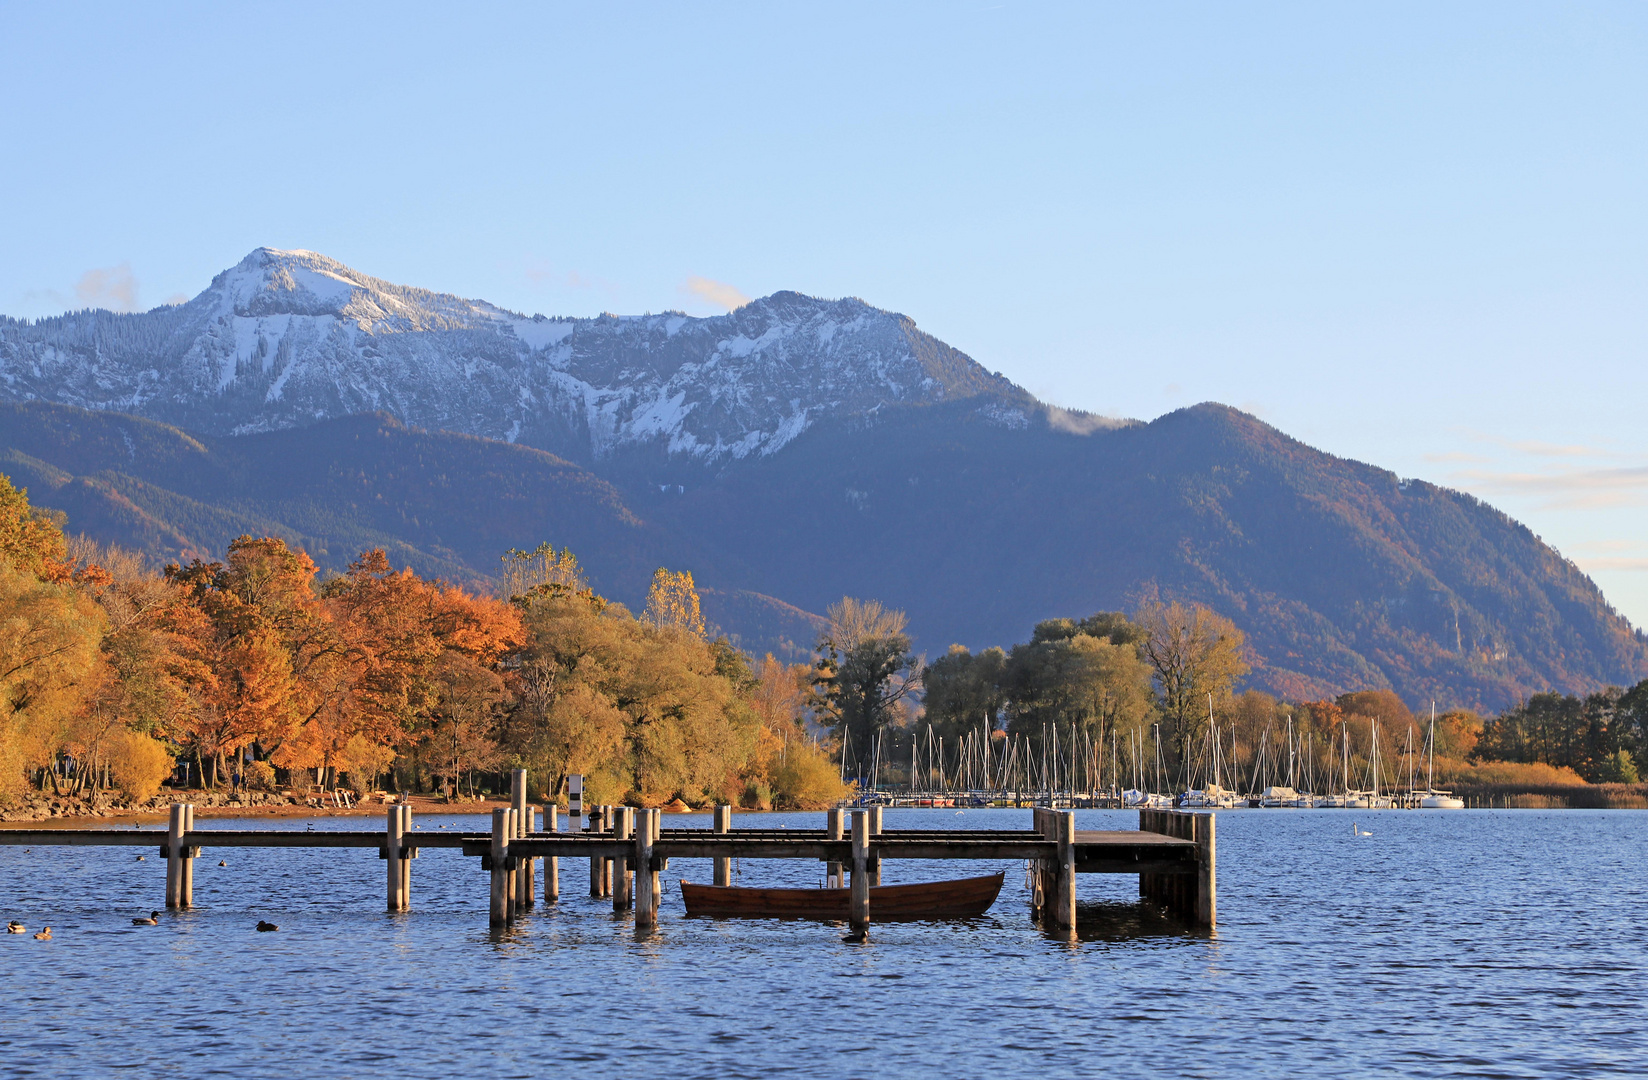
(788,453)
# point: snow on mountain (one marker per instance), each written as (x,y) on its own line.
(288,337)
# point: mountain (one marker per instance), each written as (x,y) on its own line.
(788,454)
(286,338)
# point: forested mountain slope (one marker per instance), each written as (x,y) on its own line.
(976,521)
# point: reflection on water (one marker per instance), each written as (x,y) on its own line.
(1478,943)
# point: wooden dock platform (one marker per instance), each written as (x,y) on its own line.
(1172,853)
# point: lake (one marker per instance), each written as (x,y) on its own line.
(1470,943)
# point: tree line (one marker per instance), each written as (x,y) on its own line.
(251,670)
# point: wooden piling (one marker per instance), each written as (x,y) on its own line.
(1063,906)
(858,904)
(646,903)
(174,857)
(500,875)
(1207,879)
(597,864)
(524,885)
(832,829)
(406,857)
(656,862)
(186,877)
(623,828)
(722,822)
(552,865)
(394,823)
(874,867)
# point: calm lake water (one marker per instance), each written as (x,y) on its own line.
(1472,943)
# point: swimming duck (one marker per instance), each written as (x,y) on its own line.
(44,934)
(15,927)
(223,862)
(265,927)
(152,920)
(140,858)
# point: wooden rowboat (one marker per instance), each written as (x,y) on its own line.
(959,899)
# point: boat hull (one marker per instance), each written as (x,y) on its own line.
(958,899)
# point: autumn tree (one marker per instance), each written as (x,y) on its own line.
(672,601)
(865,673)
(1194,653)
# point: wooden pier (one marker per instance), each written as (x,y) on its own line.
(1172,853)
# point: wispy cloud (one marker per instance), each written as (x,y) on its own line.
(1589,565)
(112,287)
(1567,488)
(1458,457)
(718,293)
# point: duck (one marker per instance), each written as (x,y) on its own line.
(15,927)
(152,920)
(265,927)
(140,858)
(223,862)
(44,934)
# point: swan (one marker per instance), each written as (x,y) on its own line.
(265,927)
(152,920)
(1357,830)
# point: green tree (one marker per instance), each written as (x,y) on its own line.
(865,674)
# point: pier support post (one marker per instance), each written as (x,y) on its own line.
(1206,875)
(832,828)
(188,897)
(646,904)
(174,858)
(875,861)
(500,874)
(656,862)
(394,824)
(524,884)
(623,828)
(406,857)
(1063,905)
(858,905)
(552,865)
(1038,867)
(597,863)
(722,822)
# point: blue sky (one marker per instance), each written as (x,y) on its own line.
(1411,234)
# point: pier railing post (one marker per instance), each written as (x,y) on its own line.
(174,857)
(1206,874)
(721,823)
(1064,889)
(646,907)
(858,907)
(394,823)
(500,875)
(623,828)
(552,865)
(832,828)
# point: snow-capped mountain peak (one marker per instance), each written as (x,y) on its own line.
(284,338)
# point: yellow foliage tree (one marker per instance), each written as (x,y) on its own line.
(138,764)
(673,602)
